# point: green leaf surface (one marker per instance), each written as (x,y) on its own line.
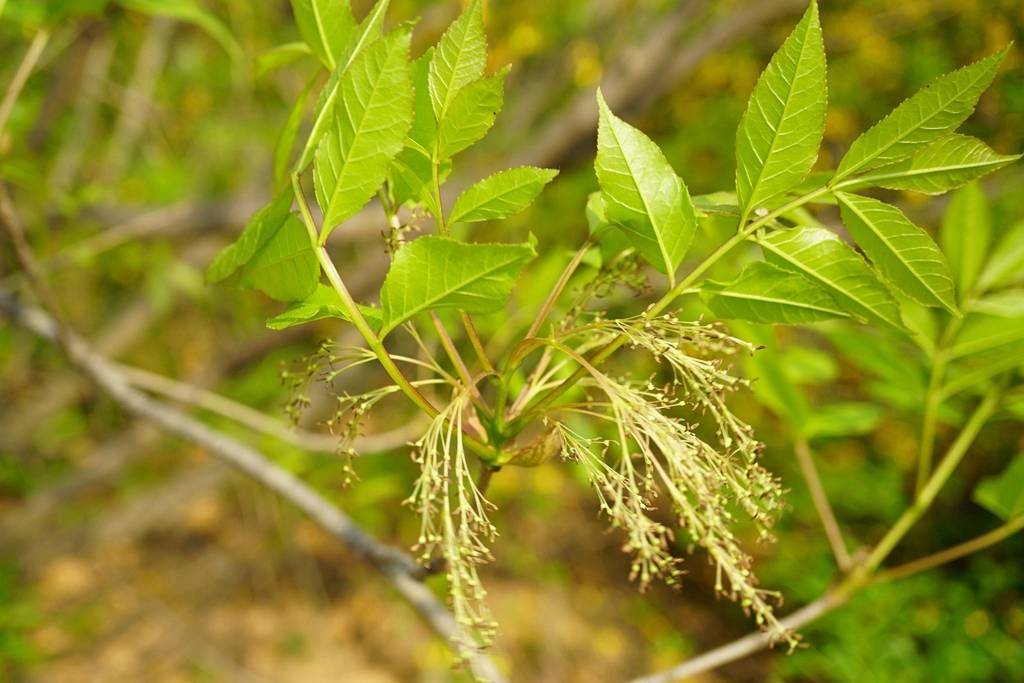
(368,31)
(459,59)
(902,252)
(326,26)
(434,272)
(642,193)
(323,303)
(826,260)
(273,255)
(1005,265)
(933,112)
(966,233)
(781,130)
(501,195)
(765,293)
(369,130)
(471,114)
(412,174)
(1003,495)
(423,131)
(193,13)
(944,165)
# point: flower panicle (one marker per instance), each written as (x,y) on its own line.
(454,519)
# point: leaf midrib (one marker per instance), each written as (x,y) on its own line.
(913,173)
(358,130)
(827,282)
(323,36)
(465,211)
(892,250)
(792,303)
(427,304)
(878,152)
(785,112)
(669,267)
(448,95)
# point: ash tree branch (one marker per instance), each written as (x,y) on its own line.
(400,569)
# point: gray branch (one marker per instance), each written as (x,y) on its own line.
(400,569)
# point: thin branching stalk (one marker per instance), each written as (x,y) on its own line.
(961,550)
(21,76)
(831,527)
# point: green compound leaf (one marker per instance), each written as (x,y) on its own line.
(434,272)
(943,165)
(459,59)
(642,193)
(501,195)
(323,303)
(1003,495)
(273,254)
(411,177)
(765,293)
(778,138)
(902,252)
(965,236)
(933,112)
(326,26)
(471,114)
(825,259)
(366,34)
(369,129)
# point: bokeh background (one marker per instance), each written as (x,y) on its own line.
(140,147)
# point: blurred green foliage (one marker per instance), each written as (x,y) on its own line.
(208,125)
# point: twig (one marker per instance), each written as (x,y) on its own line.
(478,346)
(821,504)
(400,569)
(864,574)
(964,549)
(957,450)
(744,646)
(254,419)
(25,68)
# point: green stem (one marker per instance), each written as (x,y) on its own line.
(932,404)
(474,340)
(942,557)
(935,482)
(442,224)
(363,327)
(21,75)
(442,229)
(821,504)
(556,292)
